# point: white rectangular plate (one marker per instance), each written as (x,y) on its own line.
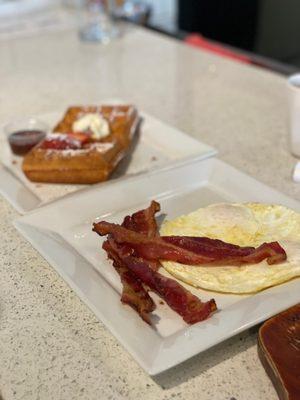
(62,233)
(158,144)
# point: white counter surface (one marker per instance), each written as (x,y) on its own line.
(51,345)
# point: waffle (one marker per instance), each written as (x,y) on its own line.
(86,161)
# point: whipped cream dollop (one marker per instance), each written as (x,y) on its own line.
(94,123)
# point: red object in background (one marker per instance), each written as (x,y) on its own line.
(199,41)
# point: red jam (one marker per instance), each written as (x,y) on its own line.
(22,141)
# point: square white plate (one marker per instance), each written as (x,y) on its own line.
(158,144)
(62,233)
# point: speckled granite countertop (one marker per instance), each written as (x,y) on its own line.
(51,345)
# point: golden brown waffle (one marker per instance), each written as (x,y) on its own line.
(120,118)
(92,163)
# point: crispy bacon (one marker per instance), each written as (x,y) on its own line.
(271,251)
(207,246)
(138,275)
(190,307)
(143,221)
(133,292)
(234,255)
(191,251)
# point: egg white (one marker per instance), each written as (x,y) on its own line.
(248,224)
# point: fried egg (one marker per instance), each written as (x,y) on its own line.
(249,224)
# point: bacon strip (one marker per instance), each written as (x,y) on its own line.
(190,307)
(138,275)
(133,292)
(143,221)
(160,248)
(205,245)
(229,254)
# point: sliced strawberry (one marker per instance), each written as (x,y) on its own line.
(82,137)
(63,142)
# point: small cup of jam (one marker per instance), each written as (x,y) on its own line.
(23,135)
